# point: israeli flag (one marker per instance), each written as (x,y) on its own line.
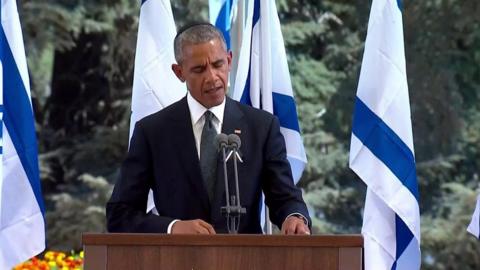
(474,227)
(220,13)
(263,79)
(381,151)
(155,86)
(22,224)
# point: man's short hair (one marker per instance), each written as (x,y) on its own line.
(193,34)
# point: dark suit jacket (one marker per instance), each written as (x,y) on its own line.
(163,157)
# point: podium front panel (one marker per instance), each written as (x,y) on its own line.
(156,251)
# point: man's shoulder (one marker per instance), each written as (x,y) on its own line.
(252,112)
(164,115)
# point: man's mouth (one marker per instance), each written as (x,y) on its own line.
(213,90)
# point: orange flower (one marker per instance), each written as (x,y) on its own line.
(53,260)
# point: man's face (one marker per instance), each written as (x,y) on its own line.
(205,68)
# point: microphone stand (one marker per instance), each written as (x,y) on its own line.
(226,209)
(233,210)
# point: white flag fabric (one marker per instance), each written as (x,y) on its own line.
(220,13)
(263,79)
(22,224)
(381,150)
(155,86)
(473,228)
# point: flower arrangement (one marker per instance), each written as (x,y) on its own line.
(53,260)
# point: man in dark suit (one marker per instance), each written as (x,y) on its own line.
(168,152)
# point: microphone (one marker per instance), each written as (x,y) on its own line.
(221,141)
(234,141)
(234,144)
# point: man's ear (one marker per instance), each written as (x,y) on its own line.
(229,60)
(177,69)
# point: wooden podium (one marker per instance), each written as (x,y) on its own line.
(222,252)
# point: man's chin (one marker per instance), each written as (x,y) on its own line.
(215,100)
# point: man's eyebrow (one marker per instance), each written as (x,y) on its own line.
(219,61)
(197,67)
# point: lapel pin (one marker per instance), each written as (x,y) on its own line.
(237,131)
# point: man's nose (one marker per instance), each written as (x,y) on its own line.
(210,74)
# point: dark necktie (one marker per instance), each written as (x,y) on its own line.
(208,154)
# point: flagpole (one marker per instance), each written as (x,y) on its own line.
(268,223)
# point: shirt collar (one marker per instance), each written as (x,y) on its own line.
(197,110)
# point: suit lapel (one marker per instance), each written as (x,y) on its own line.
(232,118)
(185,144)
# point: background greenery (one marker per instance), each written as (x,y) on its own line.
(80,55)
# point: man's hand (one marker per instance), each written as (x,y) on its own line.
(196,226)
(294,225)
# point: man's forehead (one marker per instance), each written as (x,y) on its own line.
(210,49)
(213,43)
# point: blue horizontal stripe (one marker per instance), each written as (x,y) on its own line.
(385,145)
(223,21)
(18,118)
(1,135)
(400,5)
(394,265)
(284,108)
(245,98)
(403,237)
(256,13)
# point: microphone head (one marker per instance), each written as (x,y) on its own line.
(234,141)
(221,140)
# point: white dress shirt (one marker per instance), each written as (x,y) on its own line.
(197,112)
